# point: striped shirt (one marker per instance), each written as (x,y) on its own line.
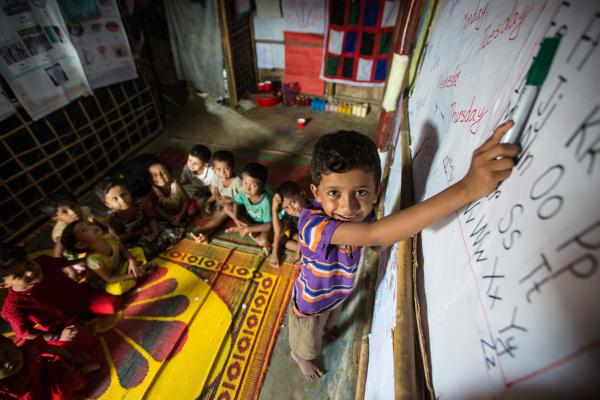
(328,271)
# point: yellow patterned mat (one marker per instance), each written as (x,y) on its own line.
(204,324)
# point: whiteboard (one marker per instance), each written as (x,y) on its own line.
(512,286)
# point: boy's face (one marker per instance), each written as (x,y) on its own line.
(292,205)
(160,175)
(11,358)
(67,213)
(22,275)
(252,187)
(347,196)
(222,169)
(86,233)
(118,198)
(195,164)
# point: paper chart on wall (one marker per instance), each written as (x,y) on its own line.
(6,107)
(37,59)
(511,280)
(304,16)
(103,47)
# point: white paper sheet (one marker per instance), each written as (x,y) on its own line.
(37,58)
(103,47)
(6,107)
(306,16)
(270,55)
(512,280)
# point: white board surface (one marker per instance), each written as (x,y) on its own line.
(512,281)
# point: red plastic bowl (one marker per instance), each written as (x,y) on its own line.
(267,101)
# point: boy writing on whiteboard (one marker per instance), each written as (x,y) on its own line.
(346,175)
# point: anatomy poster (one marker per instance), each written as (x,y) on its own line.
(103,46)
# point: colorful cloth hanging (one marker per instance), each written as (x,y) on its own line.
(359,39)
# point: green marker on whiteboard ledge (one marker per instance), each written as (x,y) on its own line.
(535,78)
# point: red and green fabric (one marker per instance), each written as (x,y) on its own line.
(358,44)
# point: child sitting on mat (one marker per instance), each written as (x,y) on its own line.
(224,187)
(346,181)
(63,209)
(129,220)
(43,302)
(251,209)
(197,175)
(36,370)
(106,256)
(288,201)
(168,200)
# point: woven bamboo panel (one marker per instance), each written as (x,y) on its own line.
(72,148)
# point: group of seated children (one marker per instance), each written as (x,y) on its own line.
(98,258)
(44,304)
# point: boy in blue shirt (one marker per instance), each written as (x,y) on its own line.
(255,200)
(346,175)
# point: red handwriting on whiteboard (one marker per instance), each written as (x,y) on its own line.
(472,115)
(449,80)
(475,17)
(512,24)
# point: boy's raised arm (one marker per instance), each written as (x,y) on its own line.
(492,163)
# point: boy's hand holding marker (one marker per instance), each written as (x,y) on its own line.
(492,163)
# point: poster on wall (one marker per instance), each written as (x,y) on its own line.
(6,107)
(511,280)
(37,59)
(304,16)
(267,31)
(102,45)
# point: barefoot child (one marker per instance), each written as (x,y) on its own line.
(36,370)
(129,220)
(43,302)
(168,200)
(197,174)
(224,187)
(106,256)
(251,209)
(346,175)
(288,201)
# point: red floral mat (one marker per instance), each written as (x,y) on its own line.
(282,167)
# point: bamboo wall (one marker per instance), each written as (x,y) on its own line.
(72,148)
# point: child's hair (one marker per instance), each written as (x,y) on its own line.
(105,184)
(289,189)
(343,151)
(223,156)
(167,166)
(201,151)
(9,254)
(256,171)
(50,206)
(68,238)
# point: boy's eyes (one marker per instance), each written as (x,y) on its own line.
(333,193)
(361,193)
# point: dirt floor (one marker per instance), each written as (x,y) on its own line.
(201,120)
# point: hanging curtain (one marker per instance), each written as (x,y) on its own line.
(195,38)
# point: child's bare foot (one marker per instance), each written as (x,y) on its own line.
(308,368)
(89,368)
(274,261)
